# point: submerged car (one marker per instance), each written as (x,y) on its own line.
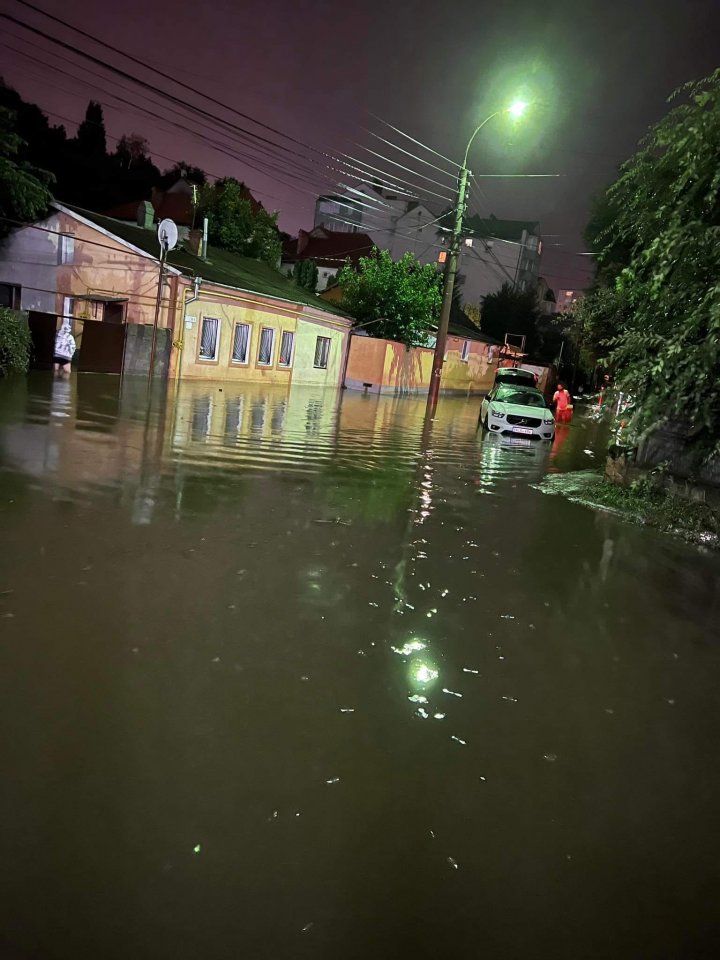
(517,411)
(515,377)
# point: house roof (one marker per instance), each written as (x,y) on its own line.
(222,266)
(172,205)
(328,248)
(492,228)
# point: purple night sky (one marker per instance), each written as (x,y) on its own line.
(318,71)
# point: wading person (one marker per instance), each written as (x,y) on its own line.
(64,347)
(563,405)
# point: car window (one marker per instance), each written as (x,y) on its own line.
(521,398)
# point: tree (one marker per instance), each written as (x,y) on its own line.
(512,311)
(666,211)
(24,190)
(132,149)
(233,225)
(589,326)
(90,139)
(399,300)
(305,274)
(15,342)
(180,171)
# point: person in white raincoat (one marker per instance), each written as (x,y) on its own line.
(64,347)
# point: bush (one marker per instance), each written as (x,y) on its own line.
(15,342)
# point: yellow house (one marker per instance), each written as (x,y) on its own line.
(221,317)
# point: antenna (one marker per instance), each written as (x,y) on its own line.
(167,235)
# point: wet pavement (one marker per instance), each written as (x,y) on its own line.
(292,675)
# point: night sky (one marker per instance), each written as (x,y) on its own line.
(598,74)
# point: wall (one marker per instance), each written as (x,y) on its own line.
(259,312)
(29,259)
(138,346)
(391,367)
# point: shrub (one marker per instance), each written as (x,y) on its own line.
(15,342)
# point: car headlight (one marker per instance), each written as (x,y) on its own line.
(547,418)
(497,413)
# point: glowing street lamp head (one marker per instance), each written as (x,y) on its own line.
(517,108)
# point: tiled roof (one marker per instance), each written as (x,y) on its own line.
(222,266)
(328,248)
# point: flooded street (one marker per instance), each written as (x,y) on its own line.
(289,675)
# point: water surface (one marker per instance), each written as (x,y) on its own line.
(298,675)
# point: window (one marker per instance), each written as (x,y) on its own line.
(66,248)
(465,351)
(209,337)
(10,296)
(322,352)
(241,343)
(286,348)
(267,342)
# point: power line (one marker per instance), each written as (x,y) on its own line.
(453,163)
(453,176)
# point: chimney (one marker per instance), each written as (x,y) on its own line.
(145,215)
(302,241)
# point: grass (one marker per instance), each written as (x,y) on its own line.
(693,521)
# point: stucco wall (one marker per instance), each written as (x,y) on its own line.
(304,371)
(29,259)
(391,367)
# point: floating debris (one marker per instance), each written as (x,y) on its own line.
(308,927)
(469,670)
(445,592)
(417,698)
(432,834)
(509,699)
(347,709)
(451,692)
(550,757)
(333,780)
(422,712)
(438,716)
(507,616)
(197,848)
(453,862)
(458,740)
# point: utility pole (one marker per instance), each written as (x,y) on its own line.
(158,301)
(448,287)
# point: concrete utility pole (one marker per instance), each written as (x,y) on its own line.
(448,287)
(516,109)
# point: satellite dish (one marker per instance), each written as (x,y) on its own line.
(167,234)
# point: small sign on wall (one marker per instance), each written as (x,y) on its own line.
(189,321)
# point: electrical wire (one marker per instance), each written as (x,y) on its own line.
(453,163)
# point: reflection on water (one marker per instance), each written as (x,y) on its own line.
(292,674)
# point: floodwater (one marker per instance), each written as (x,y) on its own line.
(290,675)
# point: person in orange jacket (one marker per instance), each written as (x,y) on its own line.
(563,405)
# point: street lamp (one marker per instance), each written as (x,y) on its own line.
(516,109)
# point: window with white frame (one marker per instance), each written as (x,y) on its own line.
(209,338)
(465,350)
(287,342)
(66,248)
(241,343)
(322,352)
(267,343)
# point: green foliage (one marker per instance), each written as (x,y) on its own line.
(305,274)
(666,212)
(233,225)
(590,325)
(512,311)
(15,342)
(398,300)
(24,193)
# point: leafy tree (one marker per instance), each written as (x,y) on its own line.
(512,311)
(183,171)
(233,225)
(90,139)
(589,327)
(666,212)
(132,149)
(399,300)
(305,274)
(15,342)
(24,190)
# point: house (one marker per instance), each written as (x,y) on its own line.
(223,318)
(497,252)
(566,299)
(328,249)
